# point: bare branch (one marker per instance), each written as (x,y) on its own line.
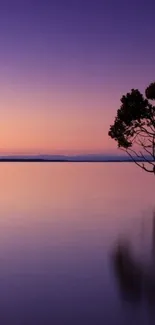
(146,131)
(138,164)
(145,146)
(143,133)
(148,161)
(152,129)
(148,152)
(135,153)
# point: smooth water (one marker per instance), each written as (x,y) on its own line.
(77,244)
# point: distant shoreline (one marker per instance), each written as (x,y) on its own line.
(65,161)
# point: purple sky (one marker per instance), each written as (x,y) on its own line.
(64,66)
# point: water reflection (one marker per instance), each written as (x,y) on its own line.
(58,223)
(135,277)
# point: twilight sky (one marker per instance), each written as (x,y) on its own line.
(64,65)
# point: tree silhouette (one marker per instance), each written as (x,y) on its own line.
(134,127)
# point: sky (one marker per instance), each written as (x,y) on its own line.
(64,66)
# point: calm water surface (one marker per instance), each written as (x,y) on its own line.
(77,244)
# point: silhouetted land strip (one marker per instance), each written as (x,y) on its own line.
(64,160)
(29,160)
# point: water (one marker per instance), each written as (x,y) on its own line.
(60,228)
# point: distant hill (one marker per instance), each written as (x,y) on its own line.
(63,158)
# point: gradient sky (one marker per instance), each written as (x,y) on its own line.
(64,65)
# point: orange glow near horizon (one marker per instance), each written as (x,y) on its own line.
(43,122)
(61,81)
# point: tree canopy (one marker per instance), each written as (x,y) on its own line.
(134,127)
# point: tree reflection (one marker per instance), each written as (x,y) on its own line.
(136,280)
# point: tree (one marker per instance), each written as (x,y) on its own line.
(134,127)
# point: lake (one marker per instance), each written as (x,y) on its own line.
(77,244)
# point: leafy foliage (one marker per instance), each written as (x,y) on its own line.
(150,91)
(134,126)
